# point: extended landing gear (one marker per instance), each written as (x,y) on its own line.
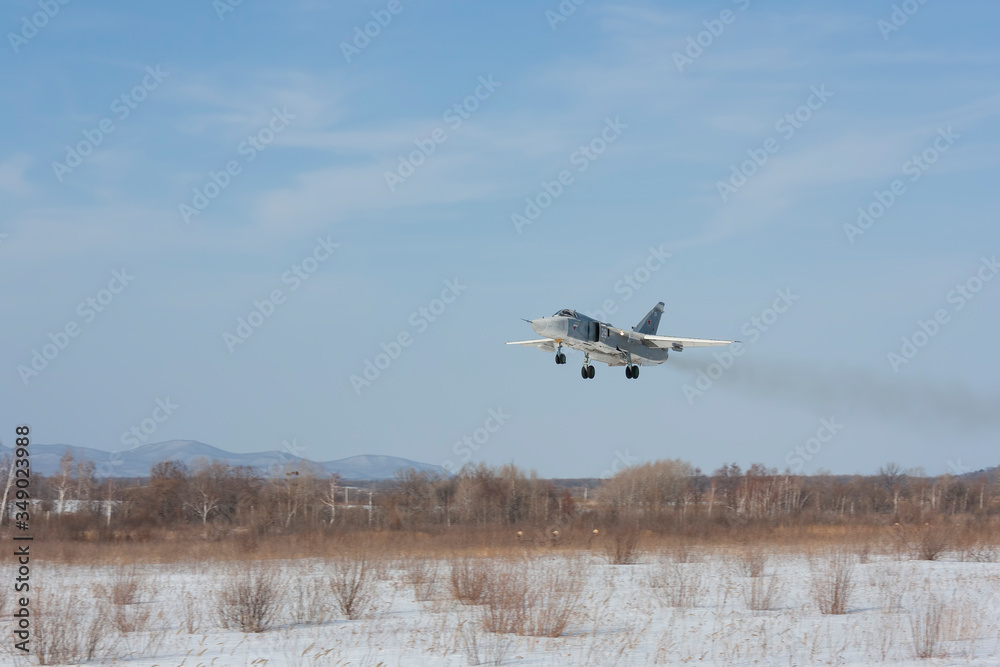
(587,372)
(631,372)
(560,356)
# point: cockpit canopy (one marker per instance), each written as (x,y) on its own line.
(566,312)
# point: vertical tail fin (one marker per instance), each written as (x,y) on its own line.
(651,322)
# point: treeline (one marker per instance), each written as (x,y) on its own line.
(660,496)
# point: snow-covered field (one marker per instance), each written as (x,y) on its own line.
(733,607)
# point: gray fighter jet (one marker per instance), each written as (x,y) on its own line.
(602,342)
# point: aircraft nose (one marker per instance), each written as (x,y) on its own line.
(549,327)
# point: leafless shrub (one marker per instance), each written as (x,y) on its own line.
(130,618)
(126,585)
(506,601)
(683,553)
(469,578)
(833,582)
(931,541)
(676,584)
(483,648)
(139,638)
(68,629)
(352,581)
(310,604)
(751,561)
(623,546)
(250,597)
(422,575)
(762,593)
(890,589)
(864,551)
(534,600)
(556,594)
(192,613)
(925,631)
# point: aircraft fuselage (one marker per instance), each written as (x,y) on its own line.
(602,341)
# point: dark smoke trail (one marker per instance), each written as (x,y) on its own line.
(827,390)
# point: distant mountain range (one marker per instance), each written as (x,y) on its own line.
(138,461)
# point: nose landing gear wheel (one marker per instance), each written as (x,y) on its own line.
(590,372)
(628,372)
(635,372)
(560,358)
(583,373)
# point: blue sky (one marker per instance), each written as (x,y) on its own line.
(834,102)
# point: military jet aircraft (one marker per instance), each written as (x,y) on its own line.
(602,342)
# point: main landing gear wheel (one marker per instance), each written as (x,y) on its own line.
(590,372)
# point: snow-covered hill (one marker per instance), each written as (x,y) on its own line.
(138,461)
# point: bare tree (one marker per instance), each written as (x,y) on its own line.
(293,485)
(329,497)
(6,462)
(63,480)
(891,477)
(204,487)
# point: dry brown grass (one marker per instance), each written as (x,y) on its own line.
(926,631)
(832,581)
(675,584)
(623,546)
(751,560)
(531,598)
(156,545)
(310,601)
(125,586)
(69,628)
(422,574)
(352,581)
(469,579)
